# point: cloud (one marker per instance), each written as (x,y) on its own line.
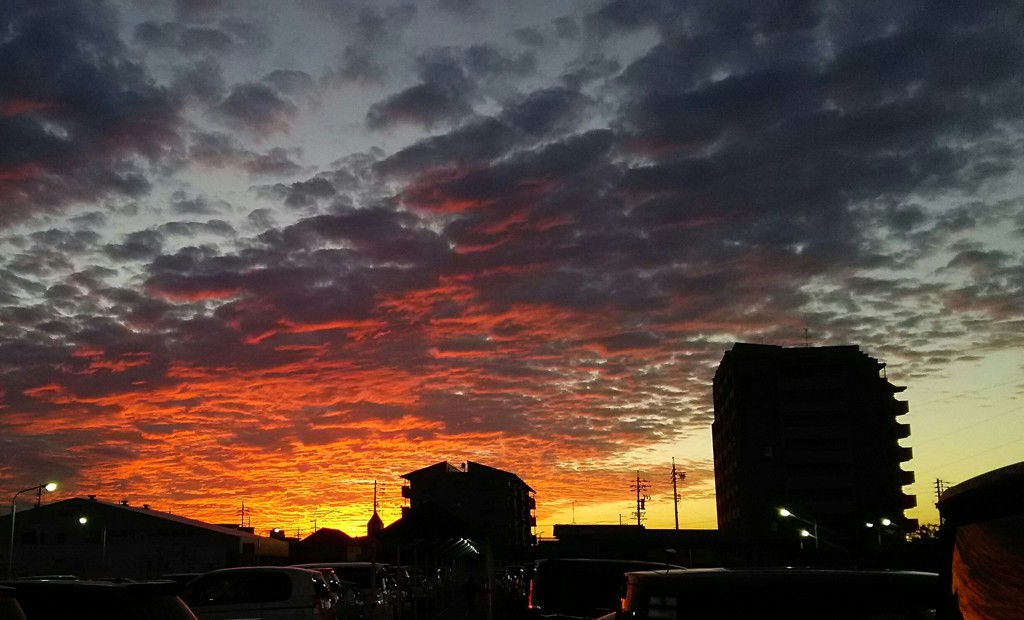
(537,266)
(256,109)
(92,126)
(221,150)
(452,79)
(229,35)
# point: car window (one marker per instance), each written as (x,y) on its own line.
(239,588)
(165,608)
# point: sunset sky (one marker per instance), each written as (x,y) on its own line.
(269,252)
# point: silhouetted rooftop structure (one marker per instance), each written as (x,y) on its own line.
(496,504)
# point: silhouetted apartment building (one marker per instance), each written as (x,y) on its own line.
(813,430)
(494,503)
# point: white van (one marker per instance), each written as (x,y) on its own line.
(260,593)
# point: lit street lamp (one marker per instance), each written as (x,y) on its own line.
(103,555)
(50,486)
(803,533)
(882,523)
(275,530)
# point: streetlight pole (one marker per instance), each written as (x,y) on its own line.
(50,486)
(813,523)
(103,542)
(883,522)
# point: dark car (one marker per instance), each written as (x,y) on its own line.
(568,588)
(779,593)
(99,600)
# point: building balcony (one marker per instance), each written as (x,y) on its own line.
(532,503)
(908,501)
(902,431)
(533,521)
(906,478)
(407,492)
(900,407)
(904,454)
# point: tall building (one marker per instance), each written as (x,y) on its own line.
(813,430)
(496,503)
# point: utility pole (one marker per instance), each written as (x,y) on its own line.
(641,487)
(244,512)
(940,488)
(676,476)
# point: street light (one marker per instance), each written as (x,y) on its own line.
(275,530)
(49,486)
(783,512)
(103,554)
(883,522)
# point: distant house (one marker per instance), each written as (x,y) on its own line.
(326,545)
(94,538)
(496,505)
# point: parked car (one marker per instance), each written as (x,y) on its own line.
(10,609)
(343,595)
(181,578)
(378,598)
(982,538)
(777,594)
(46,599)
(260,592)
(568,588)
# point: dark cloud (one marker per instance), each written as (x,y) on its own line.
(291,82)
(452,79)
(356,65)
(82,117)
(370,24)
(532,37)
(185,205)
(304,193)
(426,105)
(276,162)
(231,35)
(202,81)
(463,8)
(140,245)
(255,108)
(543,114)
(222,151)
(566,28)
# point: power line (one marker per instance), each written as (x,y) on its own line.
(972,425)
(967,393)
(977,454)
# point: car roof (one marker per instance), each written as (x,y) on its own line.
(264,569)
(776,575)
(151,588)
